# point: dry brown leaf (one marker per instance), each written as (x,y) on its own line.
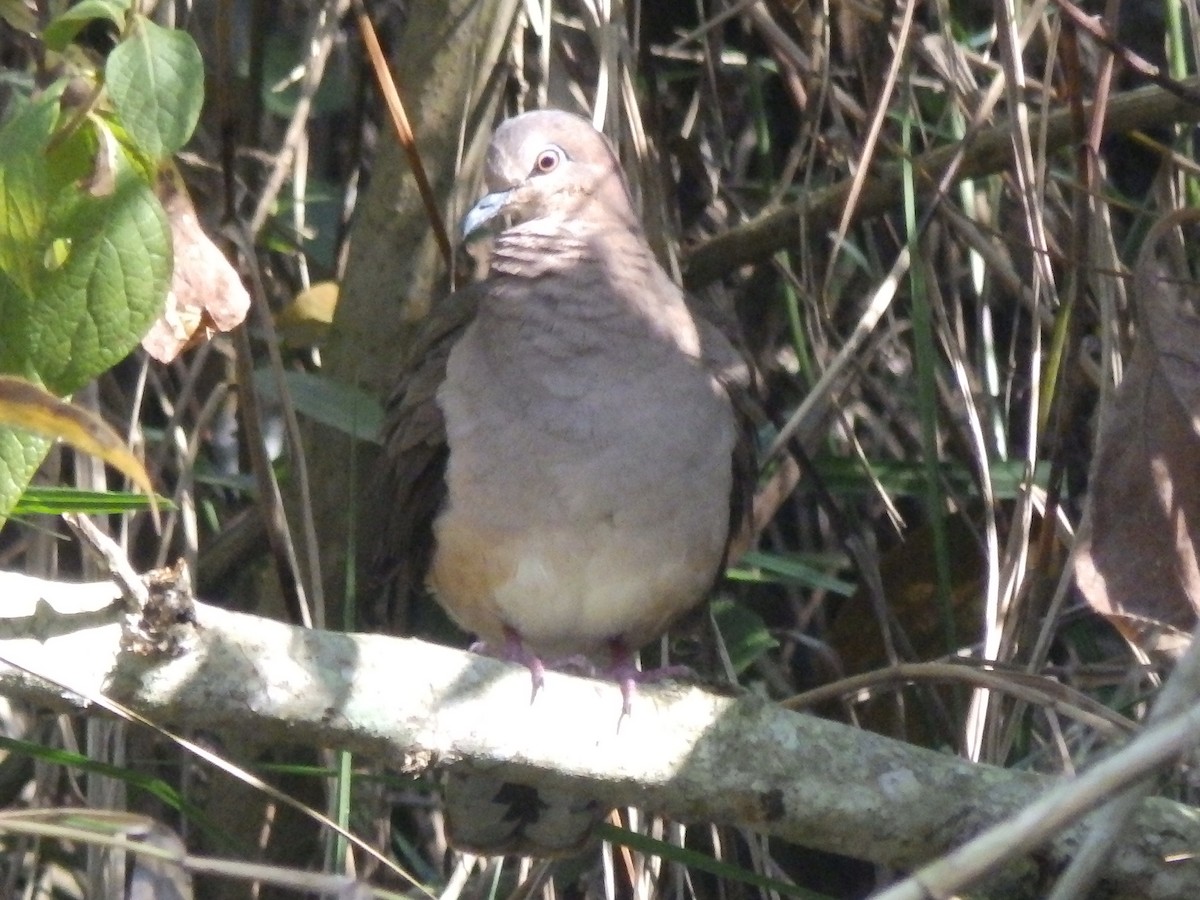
(206,294)
(1138,565)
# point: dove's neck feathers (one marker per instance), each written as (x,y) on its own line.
(598,277)
(566,245)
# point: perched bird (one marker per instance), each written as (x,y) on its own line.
(566,453)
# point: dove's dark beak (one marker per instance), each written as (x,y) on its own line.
(484,213)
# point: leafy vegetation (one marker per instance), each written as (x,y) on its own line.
(85,247)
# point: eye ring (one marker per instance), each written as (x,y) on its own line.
(547,160)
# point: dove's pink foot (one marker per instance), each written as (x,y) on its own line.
(514,650)
(628,676)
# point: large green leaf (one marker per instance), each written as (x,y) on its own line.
(155,78)
(345,407)
(25,188)
(87,310)
(81,277)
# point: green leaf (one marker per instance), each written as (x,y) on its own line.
(342,406)
(63,28)
(53,500)
(85,315)
(81,277)
(156,80)
(153,786)
(789,569)
(744,632)
(285,54)
(25,188)
(25,198)
(845,476)
(20,455)
(72,158)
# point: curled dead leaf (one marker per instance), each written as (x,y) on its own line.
(206,293)
(1137,563)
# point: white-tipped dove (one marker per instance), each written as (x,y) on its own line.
(592,444)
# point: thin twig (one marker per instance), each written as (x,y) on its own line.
(105,549)
(324,31)
(1184,90)
(404,133)
(990,152)
(1057,809)
(1043,692)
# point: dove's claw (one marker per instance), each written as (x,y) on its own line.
(628,676)
(514,650)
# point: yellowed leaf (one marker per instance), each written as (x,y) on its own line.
(304,321)
(25,405)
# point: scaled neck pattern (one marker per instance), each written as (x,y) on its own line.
(578,284)
(558,245)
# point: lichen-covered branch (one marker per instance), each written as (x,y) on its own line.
(684,752)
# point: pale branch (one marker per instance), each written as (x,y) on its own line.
(684,752)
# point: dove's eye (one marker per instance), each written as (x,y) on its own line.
(547,160)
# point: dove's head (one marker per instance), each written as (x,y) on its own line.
(550,164)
